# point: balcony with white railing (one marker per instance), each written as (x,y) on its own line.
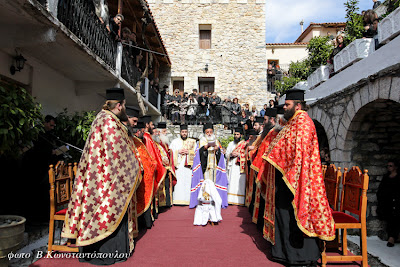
(359,60)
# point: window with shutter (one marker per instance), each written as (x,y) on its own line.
(204,36)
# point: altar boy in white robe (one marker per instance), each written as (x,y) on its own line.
(209,205)
(236,169)
(183,150)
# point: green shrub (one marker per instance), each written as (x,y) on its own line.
(20,120)
(319,50)
(225,141)
(74,129)
(354,22)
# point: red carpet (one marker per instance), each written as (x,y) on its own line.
(174,241)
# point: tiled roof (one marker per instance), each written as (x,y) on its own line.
(312,25)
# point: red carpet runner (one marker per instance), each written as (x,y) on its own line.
(174,241)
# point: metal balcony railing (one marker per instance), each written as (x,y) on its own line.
(80,18)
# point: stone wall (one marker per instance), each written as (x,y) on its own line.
(362,126)
(237,56)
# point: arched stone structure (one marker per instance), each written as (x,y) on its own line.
(362,124)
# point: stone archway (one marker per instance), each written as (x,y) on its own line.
(323,140)
(373,138)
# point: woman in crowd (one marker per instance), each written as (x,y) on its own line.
(192,106)
(254,111)
(389,202)
(339,46)
(243,118)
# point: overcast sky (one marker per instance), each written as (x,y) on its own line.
(283,16)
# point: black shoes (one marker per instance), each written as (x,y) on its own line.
(390,244)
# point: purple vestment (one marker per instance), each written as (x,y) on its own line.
(221,180)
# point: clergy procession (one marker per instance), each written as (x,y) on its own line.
(130,172)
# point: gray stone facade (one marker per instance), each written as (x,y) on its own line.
(362,125)
(236,59)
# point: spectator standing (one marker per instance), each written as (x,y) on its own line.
(226,110)
(271,103)
(376,4)
(101,10)
(192,108)
(243,118)
(389,202)
(203,105)
(247,109)
(184,105)
(254,111)
(214,102)
(236,112)
(368,19)
(166,101)
(175,101)
(271,78)
(115,23)
(262,112)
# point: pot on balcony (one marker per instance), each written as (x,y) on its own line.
(12,228)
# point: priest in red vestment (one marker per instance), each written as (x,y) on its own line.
(165,189)
(161,171)
(297,212)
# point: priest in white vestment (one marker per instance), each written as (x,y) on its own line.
(183,150)
(236,169)
(209,206)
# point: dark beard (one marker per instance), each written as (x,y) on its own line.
(236,140)
(122,116)
(151,131)
(289,113)
(183,138)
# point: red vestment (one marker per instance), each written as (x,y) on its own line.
(155,154)
(295,153)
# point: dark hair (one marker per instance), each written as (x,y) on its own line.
(369,17)
(395,162)
(303,104)
(49,118)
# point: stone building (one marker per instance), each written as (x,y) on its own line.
(215,46)
(356,113)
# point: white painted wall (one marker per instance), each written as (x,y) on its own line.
(286,54)
(51,89)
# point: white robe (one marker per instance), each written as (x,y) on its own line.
(208,212)
(181,195)
(237,180)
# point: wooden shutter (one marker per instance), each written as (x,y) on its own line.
(205,39)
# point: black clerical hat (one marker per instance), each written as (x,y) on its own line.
(146,119)
(280,109)
(184,127)
(132,111)
(295,94)
(115,94)
(251,132)
(207,126)
(271,112)
(260,119)
(239,130)
(140,125)
(162,125)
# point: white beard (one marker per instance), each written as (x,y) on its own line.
(156,138)
(210,138)
(164,139)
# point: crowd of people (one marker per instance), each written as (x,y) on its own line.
(206,107)
(143,173)
(130,171)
